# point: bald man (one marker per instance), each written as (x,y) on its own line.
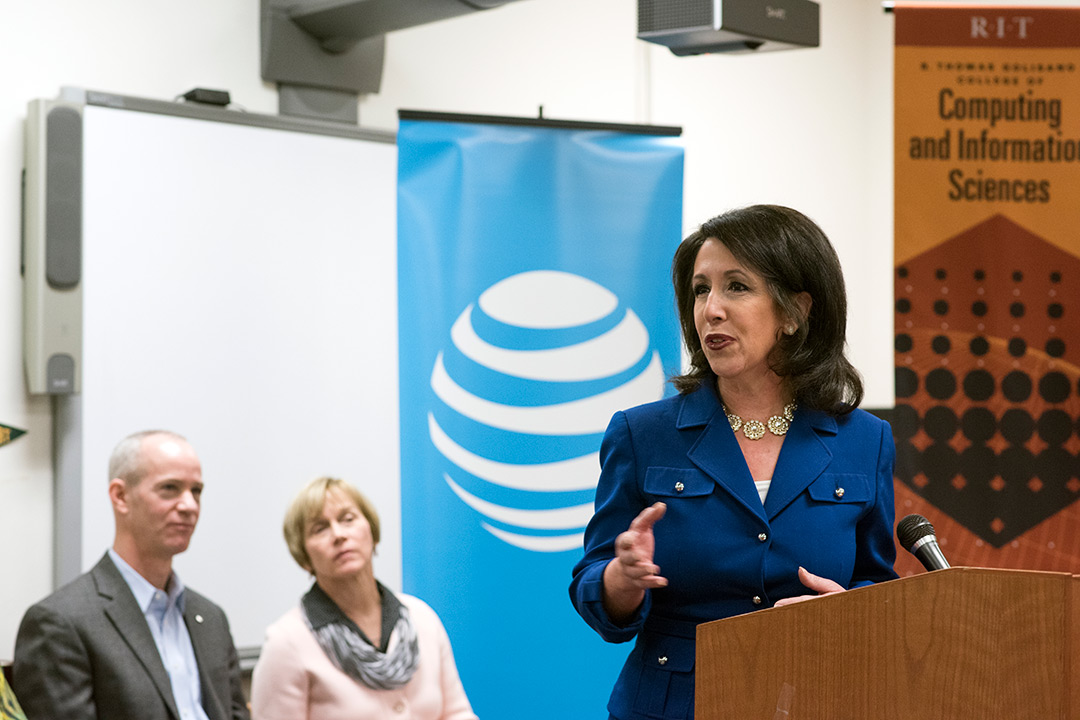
(127,640)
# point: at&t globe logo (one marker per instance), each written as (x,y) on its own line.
(534,371)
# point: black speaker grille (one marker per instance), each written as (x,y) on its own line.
(654,15)
(63,198)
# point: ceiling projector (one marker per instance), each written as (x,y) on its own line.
(694,27)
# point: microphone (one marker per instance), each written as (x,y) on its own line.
(916,535)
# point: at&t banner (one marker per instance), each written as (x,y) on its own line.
(534,301)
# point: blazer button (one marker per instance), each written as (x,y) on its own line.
(662,659)
(762,537)
(756,599)
(679,487)
(839,493)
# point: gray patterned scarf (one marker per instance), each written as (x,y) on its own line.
(350,650)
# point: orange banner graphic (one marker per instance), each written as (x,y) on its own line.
(987,283)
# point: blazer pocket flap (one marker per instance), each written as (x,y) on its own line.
(667,652)
(677,482)
(840,488)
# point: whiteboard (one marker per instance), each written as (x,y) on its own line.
(239,287)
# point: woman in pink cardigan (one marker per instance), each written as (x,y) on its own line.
(351,649)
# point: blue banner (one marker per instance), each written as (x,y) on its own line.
(534,301)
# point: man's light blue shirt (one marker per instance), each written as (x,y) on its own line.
(164,613)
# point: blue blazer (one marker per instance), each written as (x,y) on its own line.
(829,509)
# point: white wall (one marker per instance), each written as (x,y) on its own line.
(809,128)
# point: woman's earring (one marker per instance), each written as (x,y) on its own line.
(789,329)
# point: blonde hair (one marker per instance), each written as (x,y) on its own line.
(309,502)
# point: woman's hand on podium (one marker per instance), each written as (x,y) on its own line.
(823,586)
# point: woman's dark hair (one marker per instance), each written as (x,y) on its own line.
(793,255)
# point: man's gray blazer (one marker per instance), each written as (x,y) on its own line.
(86,653)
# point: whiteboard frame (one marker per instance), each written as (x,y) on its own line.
(71,556)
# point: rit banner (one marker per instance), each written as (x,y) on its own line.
(987,281)
(534,301)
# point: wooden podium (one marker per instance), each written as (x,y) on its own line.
(952,644)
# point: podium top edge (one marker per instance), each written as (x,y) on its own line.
(929,576)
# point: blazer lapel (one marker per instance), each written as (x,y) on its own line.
(200,642)
(716,452)
(803,457)
(128,619)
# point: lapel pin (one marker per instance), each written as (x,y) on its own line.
(198,618)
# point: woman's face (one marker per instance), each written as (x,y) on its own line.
(736,318)
(338,540)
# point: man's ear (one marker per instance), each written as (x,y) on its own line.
(118,495)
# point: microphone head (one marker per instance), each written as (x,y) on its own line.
(912,529)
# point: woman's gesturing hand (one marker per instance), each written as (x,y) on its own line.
(632,571)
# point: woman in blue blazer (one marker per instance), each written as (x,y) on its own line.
(759,484)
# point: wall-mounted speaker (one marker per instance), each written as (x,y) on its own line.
(52,247)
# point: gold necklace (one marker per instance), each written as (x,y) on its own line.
(755,429)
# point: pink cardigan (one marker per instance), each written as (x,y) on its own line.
(295,680)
